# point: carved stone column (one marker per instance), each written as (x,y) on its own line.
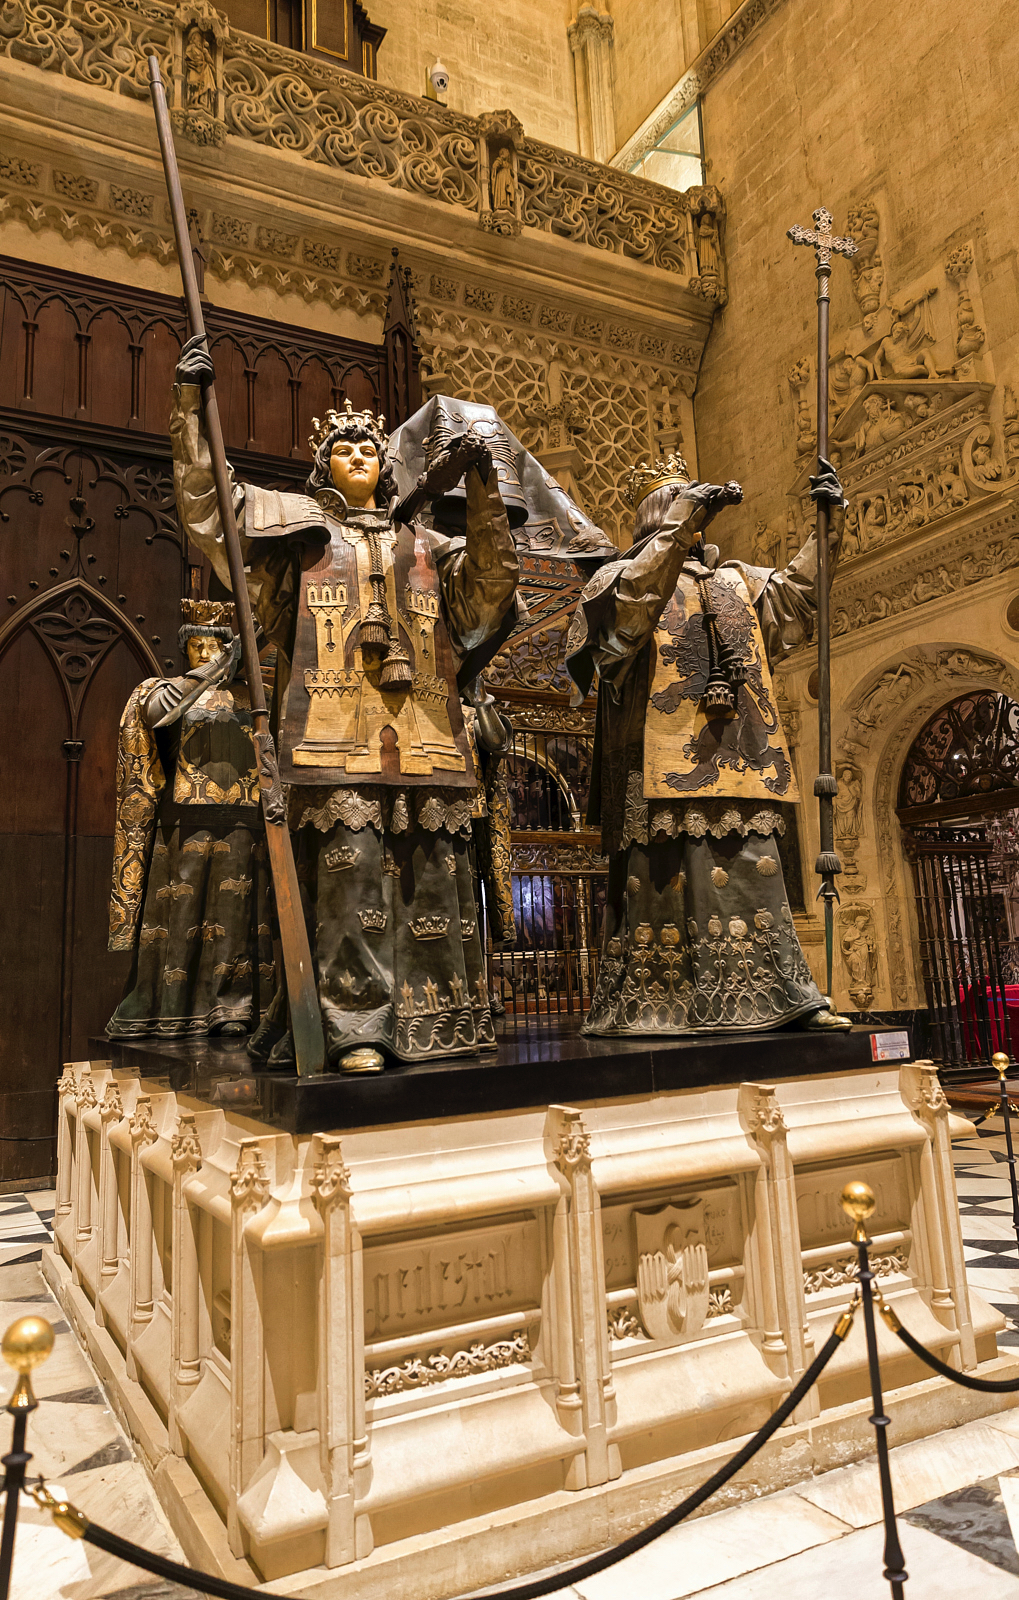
(67,1089)
(185,1347)
(591,36)
(587,1399)
(107,1255)
(86,1099)
(143,1132)
(249,1189)
(788,1342)
(942,1233)
(345,1455)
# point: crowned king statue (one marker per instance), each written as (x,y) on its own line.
(370,614)
(690,761)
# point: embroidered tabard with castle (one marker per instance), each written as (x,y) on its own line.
(343,724)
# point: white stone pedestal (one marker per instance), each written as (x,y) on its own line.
(450,1352)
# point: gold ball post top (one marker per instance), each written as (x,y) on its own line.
(858,1203)
(25,1345)
(1000,1063)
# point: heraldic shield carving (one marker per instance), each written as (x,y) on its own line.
(672,1270)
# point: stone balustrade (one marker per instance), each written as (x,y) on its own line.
(261,93)
(456,1350)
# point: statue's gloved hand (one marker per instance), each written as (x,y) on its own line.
(826,485)
(195,363)
(469,449)
(164,699)
(700,502)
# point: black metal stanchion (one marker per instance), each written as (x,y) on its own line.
(1000,1062)
(26,1343)
(858,1203)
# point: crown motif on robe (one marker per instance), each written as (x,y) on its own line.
(645,479)
(349,421)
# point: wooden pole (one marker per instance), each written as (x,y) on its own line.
(302,993)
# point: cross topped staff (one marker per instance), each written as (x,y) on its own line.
(828,864)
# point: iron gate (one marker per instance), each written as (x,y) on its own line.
(965,884)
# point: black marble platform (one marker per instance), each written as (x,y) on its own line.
(537,1066)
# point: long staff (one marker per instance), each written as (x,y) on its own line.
(305,1016)
(825,784)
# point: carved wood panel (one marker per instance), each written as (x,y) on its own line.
(93,569)
(78,347)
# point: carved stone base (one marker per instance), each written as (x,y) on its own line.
(454,1325)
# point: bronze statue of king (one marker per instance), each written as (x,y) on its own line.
(370,614)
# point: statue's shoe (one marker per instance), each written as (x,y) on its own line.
(819,1020)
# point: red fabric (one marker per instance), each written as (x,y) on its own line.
(1003,1019)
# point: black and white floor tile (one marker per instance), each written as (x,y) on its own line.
(988,1226)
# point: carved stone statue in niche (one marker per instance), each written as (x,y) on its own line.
(881,424)
(199,71)
(197,38)
(366,608)
(691,759)
(858,946)
(503,187)
(190,891)
(500,184)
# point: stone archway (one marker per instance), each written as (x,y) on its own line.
(880,718)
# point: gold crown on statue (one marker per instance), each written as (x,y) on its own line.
(645,479)
(348,421)
(207,613)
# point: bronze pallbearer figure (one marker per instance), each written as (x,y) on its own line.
(690,761)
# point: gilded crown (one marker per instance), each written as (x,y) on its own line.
(207,613)
(348,421)
(645,479)
(429,927)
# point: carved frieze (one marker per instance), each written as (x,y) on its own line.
(421,1372)
(843,1274)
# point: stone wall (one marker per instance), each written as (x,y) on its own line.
(514,55)
(895,122)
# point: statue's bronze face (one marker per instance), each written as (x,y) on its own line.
(203,649)
(354,465)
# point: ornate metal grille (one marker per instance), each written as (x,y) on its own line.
(549,971)
(967,751)
(966,952)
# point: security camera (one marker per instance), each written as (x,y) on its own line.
(438,78)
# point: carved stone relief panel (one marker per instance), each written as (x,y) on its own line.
(857,942)
(462,1277)
(681,1259)
(822,1219)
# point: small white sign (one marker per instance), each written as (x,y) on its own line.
(889,1046)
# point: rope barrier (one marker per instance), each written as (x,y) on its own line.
(74,1523)
(983,1385)
(30,1340)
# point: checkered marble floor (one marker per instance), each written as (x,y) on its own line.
(988,1228)
(957,1493)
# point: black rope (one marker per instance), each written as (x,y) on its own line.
(103,1539)
(985,1385)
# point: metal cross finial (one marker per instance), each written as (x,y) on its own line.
(822,238)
